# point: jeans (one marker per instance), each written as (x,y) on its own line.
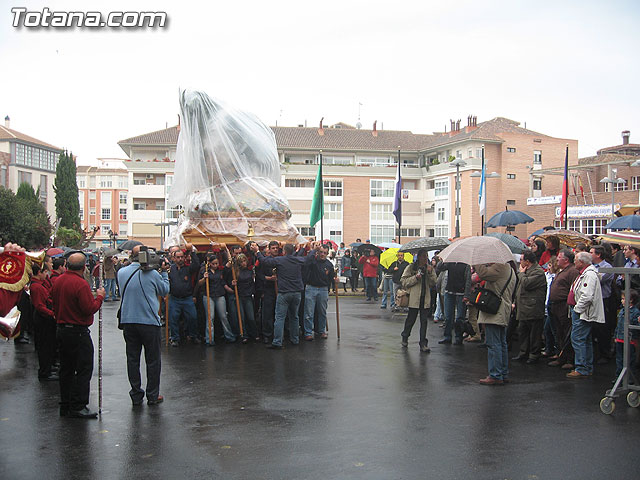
(439,314)
(582,344)
(268,313)
(497,354)
(550,342)
(620,359)
(371,287)
(287,307)
(387,291)
(248,318)
(453,305)
(137,336)
(110,286)
(315,297)
(411,320)
(218,307)
(187,308)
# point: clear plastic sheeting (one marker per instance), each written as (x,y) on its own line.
(227,175)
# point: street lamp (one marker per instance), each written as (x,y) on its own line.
(479,175)
(612,182)
(458,163)
(113,237)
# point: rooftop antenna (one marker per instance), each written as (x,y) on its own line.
(359,124)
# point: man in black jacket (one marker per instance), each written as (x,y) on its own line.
(458,289)
(320,275)
(181,299)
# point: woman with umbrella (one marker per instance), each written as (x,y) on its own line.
(417,280)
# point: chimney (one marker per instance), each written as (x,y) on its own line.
(7,122)
(475,121)
(469,121)
(625,134)
(458,125)
(320,129)
(375,130)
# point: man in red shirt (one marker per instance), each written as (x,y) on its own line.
(74,306)
(370,274)
(45,325)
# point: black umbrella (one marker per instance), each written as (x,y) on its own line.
(508,218)
(355,244)
(365,247)
(425,243)
(128,245)
(514,243)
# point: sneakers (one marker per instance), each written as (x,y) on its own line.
(425,349)
(157,401)
(444,341)
(174,343)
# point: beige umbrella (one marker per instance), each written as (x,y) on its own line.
(477,250)
(570,238)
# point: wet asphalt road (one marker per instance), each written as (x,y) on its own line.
(361,408)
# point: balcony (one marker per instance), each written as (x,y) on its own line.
(146,216)
(147,191)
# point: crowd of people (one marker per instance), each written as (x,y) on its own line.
(555,305)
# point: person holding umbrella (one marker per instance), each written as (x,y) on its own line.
(417,280)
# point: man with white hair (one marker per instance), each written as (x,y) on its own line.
(587,308)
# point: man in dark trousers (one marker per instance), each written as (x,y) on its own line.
(74,306)
(141,324)
(320,277)
(290,289)
(268,277)
(181,299)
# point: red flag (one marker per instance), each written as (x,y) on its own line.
(581,189)
(573,185)
(565,187)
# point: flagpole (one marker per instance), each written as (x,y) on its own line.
(484,192)
(566,187)
(322,206)
(399,222)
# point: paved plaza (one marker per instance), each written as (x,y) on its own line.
(361,407)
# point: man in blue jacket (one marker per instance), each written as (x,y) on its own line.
(290,289)
(140,290)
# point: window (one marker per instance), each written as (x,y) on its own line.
(123,181)
(81,212)
(105,214)
(377,161)
(620,187)
(139,180)
(299,183)
(408,185)
(92,194)
(382,233)
(635,183)
(24,177)
(442,187)
(123,230)
(381,212)
(106,181)
(105,199)
(441,231)
(335,235)
(104,229)
(442,214)
(511,176)
(382,188)
(511,202)
(458,154)
(123,198)
(470,153)
(92,181)
(333,188)
(410,232)
(537,157)
(92,212)
(333,211)
(81,203)
(160,205)
(82,182)
(139,206)
(160,180)
(478,153)
(43,189)
(123,214)
(537,184)
(586,226)
(511,150)
(307,231)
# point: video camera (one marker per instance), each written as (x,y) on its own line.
(150,260)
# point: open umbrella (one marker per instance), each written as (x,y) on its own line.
(509,218)
(128,245)
(628,209)
(355,244)
(570,238)
(477,250)
(365,247)
(623,238)
(390,255)
(333,244)
(514,243)
(628,222)
(55,252)
(110,252)
(389,245)
(425,243)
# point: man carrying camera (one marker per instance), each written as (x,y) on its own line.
(141,287)
(181,299)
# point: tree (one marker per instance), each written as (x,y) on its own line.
(65,187)
(23,219)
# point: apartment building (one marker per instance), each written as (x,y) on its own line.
(27,159)
(150,172)
(359,168)
(103,197)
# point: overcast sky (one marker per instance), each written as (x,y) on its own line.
(568,69)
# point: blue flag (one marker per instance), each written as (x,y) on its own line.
(397,201)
